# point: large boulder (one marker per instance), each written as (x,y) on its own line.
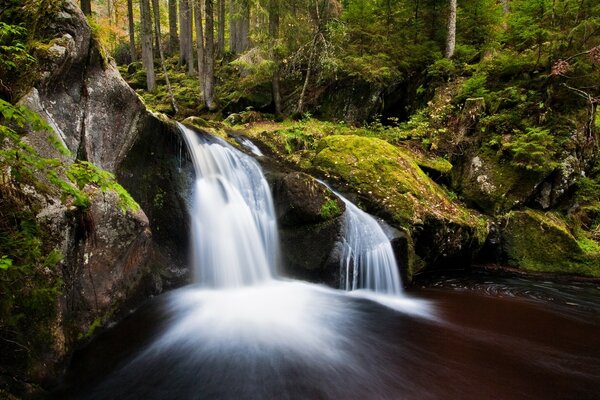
(541,242)
(390,180)
(111,258)
(310,221)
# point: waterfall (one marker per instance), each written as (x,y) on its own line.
(234,229)
(367,259)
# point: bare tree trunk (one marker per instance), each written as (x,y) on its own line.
(185,36)
(451,38)
(221,35)
(156,10)
(274,34)
(244,32)
(233,25)
(86,7)
(308,71)
(190,42)
(131,30)
(173,39)
(209,60)
(199,41)
(147,55)
(239,28)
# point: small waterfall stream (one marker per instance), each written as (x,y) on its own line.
(368,258)
(234,234)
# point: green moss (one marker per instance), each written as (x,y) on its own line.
(390,176)
(542,242)
(330,209)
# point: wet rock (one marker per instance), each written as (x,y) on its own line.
(310,220)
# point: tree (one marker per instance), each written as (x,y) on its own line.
(86,7)
(451,36)
(131,30)
(156,8)
(221,35)
(199,40)
(186,54)
(274,34)
(173,39)
(209,58)
(147,54)
(239,26)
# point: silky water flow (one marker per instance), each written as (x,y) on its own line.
(242,332)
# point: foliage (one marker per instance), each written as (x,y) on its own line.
(533,150)
(330,209)
(83,173)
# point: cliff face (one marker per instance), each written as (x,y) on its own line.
(110,257)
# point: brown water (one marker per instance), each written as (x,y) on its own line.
(473,343)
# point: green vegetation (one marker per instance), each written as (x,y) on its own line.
(542,242)
(330,209)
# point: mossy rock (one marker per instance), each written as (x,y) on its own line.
(390,176)
(301,200)
(444,232)
(492,184)
(541,242)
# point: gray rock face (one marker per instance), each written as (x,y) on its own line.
(111,258)
(82,95)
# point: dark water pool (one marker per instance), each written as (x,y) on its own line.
(455,340)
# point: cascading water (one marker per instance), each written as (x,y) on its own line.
(245,336)
(234,234)
(240,333)
(368,258)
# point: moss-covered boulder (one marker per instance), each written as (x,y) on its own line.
(390,179)
(541,242)
(492,184)
(310,221)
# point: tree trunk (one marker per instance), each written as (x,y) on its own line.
(199,41)
(239,18)
(308,71)
(233,25)
(147,55)
(451,38)
(186,56)
(156,10)
(131,30)
(221,36)
(173,39)
(86,7)
(244,32)
(209,61)
(274,34)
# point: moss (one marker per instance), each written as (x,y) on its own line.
(330,209)
(390,176)
(542,242)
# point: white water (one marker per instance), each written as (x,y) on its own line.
(234,230)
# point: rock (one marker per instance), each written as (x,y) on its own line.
(351,101)
(83,96)
(111,259)
(301,200)
(310,221)
(493,185)
(444,233)
(541,242)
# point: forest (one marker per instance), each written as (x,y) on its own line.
(385,166)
